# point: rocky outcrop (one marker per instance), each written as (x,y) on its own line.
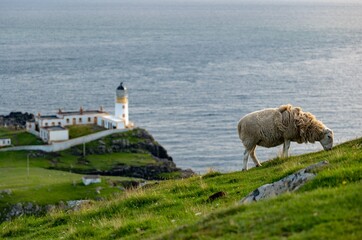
(135,141)
(30,208)
(149,172)
(290,183)
(15,119)
(21,209)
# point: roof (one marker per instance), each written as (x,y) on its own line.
(112,118)
(121,87)
(5,138)
(55,128)
(81,112)
(49,117)
(91,177)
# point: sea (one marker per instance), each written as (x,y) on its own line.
(192,68)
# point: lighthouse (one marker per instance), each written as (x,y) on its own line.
(121,105)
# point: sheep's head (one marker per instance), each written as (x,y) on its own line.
(327,139)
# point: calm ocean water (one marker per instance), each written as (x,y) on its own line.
(193,68)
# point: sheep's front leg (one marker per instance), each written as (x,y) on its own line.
(253,156)
(245,161)
(286,146)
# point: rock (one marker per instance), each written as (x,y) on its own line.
(98,190)
(130,184)
(20,209)
(50,208)
(101,149)
(290,183)
(186,173)
(6,191)
(216,196)
(141,142)
(15,119)
(76,205)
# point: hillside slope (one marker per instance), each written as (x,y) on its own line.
(328,207)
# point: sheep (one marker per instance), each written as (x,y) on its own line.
(275,126)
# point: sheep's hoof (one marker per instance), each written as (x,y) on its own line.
(258,165)
(244,170)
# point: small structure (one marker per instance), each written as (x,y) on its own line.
(5,142)
(50,128)
(54,134)
(90,179)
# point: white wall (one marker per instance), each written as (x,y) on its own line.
(61,135)
(68,120)
(110,124)
(51,122)
(30,127)
(79,119)
(44,135)
(121,111)
(5,142)
(87,181)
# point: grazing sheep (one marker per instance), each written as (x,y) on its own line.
(273,126)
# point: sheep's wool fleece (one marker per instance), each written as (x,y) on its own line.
(270,127)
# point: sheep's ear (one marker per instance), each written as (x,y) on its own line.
(327,130)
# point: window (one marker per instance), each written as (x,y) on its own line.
(123,106)
(89,119)
(123,115)
(46,124)
(80,120)
(67,120)
(53,123)
(59,123)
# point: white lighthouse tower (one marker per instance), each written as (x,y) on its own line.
(121,105)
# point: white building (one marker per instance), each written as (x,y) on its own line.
(5,142)
(54,134)
(91,179)
(120,119)
(52,128)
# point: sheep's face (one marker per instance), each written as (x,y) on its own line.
(327,140)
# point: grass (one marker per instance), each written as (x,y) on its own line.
(44,186)
(19,137)
(328,207)
(321,214)
(83,130)
(66,161)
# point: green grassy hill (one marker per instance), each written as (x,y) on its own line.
(328,207)
(110,155)
(44,186)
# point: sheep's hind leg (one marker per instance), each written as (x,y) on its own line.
(286,146)
(253,156)
(245,160)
